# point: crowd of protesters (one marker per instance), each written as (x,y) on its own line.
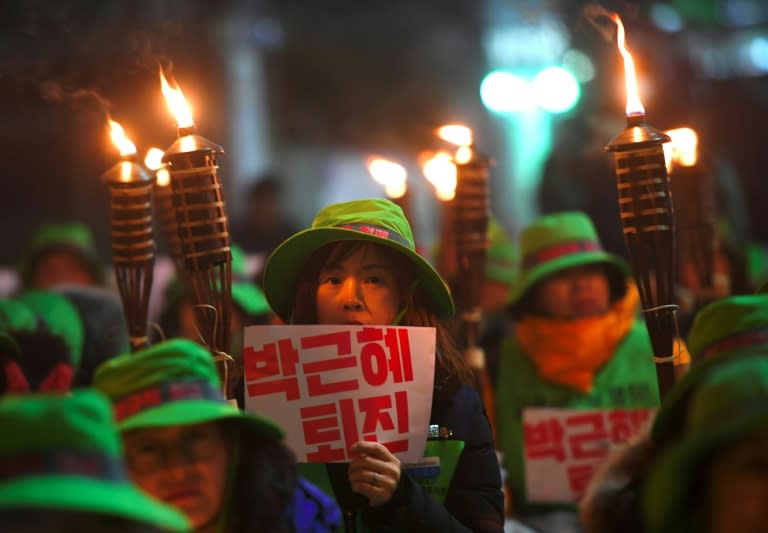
(82,448)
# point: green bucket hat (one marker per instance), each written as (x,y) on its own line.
(556,242)
(729,404)
(73,237)
(60,316)
(62,452)
(173,383)
(736,326)
(373,220)
(502,259)
(246,294)
(14,316)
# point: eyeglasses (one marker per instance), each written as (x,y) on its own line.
(149,451)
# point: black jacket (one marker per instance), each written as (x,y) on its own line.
(474,501)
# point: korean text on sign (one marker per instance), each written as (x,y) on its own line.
(563,447)
(330,386)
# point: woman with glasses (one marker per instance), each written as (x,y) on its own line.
(187,446)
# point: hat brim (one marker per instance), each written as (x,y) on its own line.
(283,266)
(185,412)
(249,298)
(530,278)
(72,493)
(670,482)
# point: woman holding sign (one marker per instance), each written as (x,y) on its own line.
(357,265)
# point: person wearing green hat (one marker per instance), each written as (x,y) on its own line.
(714,477)
(249,308)
(578,342)
(228,471)
(61,469)
(731,328)
(61,253)
(357,265)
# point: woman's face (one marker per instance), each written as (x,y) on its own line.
(738,487)
(183,466)
(360,288)
(577,292)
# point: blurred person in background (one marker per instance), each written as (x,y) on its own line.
(577,344)
(60,253)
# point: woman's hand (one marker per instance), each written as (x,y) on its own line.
(374,473)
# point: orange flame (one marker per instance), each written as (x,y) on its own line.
(456,134)
(392,175)
(441,172)
(120,140)
(154,158)
(634,106)
(683,150)
(176,102)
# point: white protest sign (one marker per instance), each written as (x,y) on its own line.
(331,386)
(563,447)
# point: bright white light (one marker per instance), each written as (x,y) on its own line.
(580,64)
(555,89)
(503,92)
(666,18)
(758,53)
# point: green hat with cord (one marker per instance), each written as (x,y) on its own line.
(557,242)
(63,453)
(60,316)
(372,220)
(730,404)
(75,238)
(172,383)
(736,326)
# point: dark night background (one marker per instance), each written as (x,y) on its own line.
(348,74)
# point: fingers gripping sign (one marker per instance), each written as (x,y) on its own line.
(374,472)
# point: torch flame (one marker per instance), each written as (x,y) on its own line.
(634,106)
(176,102)
(120,140)
(456,134)
(683,148)
(391,175)
(154,158)
(441,172)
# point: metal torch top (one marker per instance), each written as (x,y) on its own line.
(637,134)
(188,142)
(125,172)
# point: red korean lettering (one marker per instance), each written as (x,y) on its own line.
(349,422)
(316,386)
(394,357)
(266,363)
(180,391)
(321,427)
(579,477)
(544,439)
(591,440)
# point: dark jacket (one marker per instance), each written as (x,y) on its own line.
(473,502)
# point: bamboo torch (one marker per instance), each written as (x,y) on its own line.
(647,216)
(163,207)
(133,245)
(202,227)
(471,212)
(693,190)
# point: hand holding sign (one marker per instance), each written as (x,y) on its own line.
(374,473)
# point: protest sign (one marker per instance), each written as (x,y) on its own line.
(563,447)
(330,386)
